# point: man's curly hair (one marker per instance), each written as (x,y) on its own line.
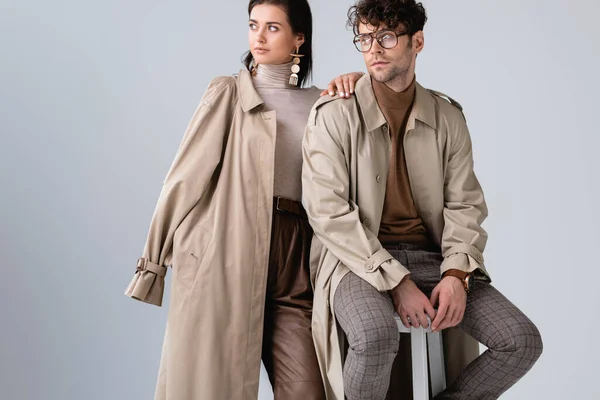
(405,14)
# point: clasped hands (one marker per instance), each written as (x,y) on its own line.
(413,307)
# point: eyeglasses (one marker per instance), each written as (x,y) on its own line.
(386,39)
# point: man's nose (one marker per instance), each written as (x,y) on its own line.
(376,48)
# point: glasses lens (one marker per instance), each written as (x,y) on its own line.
(388,40)
(363,42)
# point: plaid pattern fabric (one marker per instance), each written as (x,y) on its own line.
(367,317)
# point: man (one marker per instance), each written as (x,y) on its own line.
(396,208)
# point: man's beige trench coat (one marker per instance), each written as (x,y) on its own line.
(346,160)
(212,223)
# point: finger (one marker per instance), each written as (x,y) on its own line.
(404,320)
(446,322)
(352,83)
(460,312)
(429,310)
(339,84)
(455,317)
(331,88)
(414,320)
(423,319)
(324,92)
(441,314)
(347,86)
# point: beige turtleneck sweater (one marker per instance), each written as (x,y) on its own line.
(292,106)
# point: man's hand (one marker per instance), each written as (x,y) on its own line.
(343,85)
(412,305)
(452,298)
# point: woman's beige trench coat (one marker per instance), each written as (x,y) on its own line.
(212,224)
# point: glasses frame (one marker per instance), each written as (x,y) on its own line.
(374,35)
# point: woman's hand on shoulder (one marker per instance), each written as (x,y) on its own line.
(343,85)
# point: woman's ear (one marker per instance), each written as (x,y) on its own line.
(299,39)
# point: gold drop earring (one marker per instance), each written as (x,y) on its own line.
(295,67)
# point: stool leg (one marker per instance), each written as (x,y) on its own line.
(419,364)
(436,363)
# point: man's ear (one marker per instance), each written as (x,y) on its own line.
(418,41)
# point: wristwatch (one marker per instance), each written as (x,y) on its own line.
(465,277)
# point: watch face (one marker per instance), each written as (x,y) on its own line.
(470,282)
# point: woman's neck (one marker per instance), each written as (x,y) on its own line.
(273,76)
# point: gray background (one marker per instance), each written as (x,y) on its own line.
(94,98)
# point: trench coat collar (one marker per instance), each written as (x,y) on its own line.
(423,108)
(249,98)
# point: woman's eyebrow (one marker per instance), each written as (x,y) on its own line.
(268,23)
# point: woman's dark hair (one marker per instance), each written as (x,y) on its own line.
(300,19)
(407,14)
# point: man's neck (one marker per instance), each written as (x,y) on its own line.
(401,82)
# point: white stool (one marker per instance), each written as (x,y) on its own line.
(422,339)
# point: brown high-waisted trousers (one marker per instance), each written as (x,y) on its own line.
(288,350)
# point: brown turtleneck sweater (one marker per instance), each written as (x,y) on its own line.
(400,221)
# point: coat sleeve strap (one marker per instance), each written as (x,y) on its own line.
(148,283)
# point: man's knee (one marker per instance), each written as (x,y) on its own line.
(523,341)
(529,342)
(376,338)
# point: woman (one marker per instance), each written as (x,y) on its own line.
(230,223)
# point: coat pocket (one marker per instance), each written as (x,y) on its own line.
(188,269)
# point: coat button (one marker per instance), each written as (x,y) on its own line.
(370,267)
(385,129)
(367,222)
(378,178)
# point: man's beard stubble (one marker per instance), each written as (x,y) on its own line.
(396,73)
(400,71)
